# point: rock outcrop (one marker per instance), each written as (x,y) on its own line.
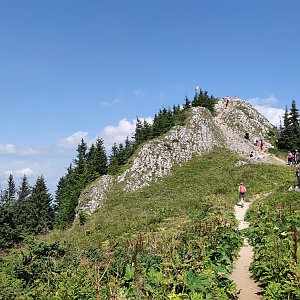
(202,132)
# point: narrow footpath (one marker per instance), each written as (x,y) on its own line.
(246,286)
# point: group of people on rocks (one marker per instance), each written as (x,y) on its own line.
(293,158)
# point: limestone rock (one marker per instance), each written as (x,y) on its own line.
(201,133)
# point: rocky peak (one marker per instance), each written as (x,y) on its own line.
(155,159)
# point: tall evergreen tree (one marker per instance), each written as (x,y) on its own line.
(129,149)
(9,233)
(113,167)
(24,190)
(67,193)
(80,161)
(101,157)
(23,205)
(138,135)
(294,126)
(289,135)
(42,213)
(187,103)
(10,192)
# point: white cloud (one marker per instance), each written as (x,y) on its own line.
(25,171)
(269,101)
(267,107)
(72,140)
(18,150)
(8,172)
(118,134)
(273,114)
(138,93)
(111,103)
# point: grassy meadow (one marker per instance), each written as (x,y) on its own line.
(175,239)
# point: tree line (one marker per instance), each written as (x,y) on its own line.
(289,131)
(32,210)
(25,211)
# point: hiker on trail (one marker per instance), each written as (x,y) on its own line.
(227,103)
(289,158)
(242,192)
(298,176)
(296,157)
(261,145)
(247,137)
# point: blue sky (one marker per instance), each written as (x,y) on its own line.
(74,69)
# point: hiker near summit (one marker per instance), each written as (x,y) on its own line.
(298,176)
(242,192)
(289,158)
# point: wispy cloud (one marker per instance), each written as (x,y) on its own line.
(269,101)
(138,93)
(25,171)
(111,103)
(267,107)
(73,140)
(20,150)
(117,134)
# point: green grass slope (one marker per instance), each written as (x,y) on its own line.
(175,239)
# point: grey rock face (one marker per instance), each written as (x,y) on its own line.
(157,157)
(93,197)
(202,132)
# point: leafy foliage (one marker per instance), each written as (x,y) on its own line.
(274,234)
(175,239)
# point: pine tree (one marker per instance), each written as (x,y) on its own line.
(101,157)
(22,207)
(187,103)
(10,193)
(289,135)
(129,149)
(113,167)
(138,135)
(9,233)
(42,213)
(67,193)
(80,161)
(294,126)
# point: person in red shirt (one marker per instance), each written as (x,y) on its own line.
(242,192)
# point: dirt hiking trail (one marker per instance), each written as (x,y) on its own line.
(247,288)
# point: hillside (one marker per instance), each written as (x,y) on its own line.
(202,132)
(173,235)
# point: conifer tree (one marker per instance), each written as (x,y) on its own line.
(42,213)
(80,161)
(10,192)
(138,135)
(294,126)
(22,207)
(66,196)
(289,135)
(187,103)
(9,233)
(101,157)
(129,149)
(114,166)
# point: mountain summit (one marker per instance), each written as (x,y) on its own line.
(236,125)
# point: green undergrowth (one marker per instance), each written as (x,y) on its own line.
(274,230)
(175,239)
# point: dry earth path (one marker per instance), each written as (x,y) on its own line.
(247,287)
